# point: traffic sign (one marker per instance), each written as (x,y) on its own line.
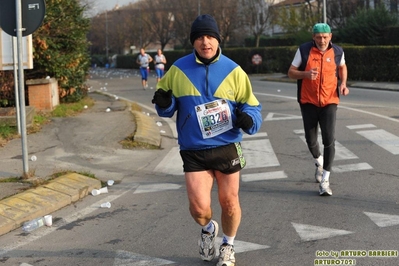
(33,12)
(256,59)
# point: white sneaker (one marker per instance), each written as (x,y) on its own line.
(226,255)
(319,173)
(207,243)
(324,188)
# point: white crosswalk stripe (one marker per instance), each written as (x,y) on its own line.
(341,154)
(263,176)
(381,137)
(259,153)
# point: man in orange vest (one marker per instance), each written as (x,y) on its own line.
(317,67)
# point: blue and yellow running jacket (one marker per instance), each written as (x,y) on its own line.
(205,98)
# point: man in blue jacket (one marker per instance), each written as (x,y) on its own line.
(214,102)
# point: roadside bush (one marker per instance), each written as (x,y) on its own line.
(61,48)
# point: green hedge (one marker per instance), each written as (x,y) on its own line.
(366,63)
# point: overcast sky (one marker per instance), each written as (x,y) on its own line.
(102,5)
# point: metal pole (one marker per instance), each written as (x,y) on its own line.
(324,11)
(106,34)
(21,89)
(15,58)
(199,7)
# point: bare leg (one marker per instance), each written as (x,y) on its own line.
(228,188)
(199,186)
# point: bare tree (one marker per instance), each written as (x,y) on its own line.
(295,18)
(339,11)
(226,18)
(256,16)
(185,11)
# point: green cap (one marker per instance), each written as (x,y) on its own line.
(321,28)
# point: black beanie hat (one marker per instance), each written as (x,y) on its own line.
(204,25)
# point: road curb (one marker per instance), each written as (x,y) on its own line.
(43,200)
(146,129)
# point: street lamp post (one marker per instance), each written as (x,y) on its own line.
(324,11)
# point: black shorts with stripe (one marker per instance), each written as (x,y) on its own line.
(227,159)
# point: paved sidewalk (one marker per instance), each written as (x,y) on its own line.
(87,143)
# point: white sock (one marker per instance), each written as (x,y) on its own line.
(326,175)
(319,161)
(228,239)
(210,227)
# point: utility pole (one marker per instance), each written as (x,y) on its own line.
(21,85)
(106,35)
(199,7)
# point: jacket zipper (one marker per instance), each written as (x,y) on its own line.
(321,79)
(206,80)
(185,121)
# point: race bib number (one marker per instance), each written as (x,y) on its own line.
(214,118)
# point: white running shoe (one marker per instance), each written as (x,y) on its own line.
(226,255)
(324,188)
(207,243)
(319,173)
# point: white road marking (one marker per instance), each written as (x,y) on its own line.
(171,164)
(41,232)
(382,138)
(361,126)
(383,220)
(341,106)
(156,187)
(341,153)
(240,246)
(259,153)
(125,258)
(299,131)
(257,135)
(351,167)
(279,116)
(311,232)
(263,176)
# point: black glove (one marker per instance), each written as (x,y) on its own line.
(243,121)
(162,98)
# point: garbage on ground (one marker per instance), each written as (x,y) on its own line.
(110,182)
(33,158)
(106,205)
(108,110)
(48,220)
(96,192)
(159,124)
(33,224)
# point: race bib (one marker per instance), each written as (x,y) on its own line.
(214,118)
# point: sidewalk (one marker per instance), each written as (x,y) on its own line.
(88,142)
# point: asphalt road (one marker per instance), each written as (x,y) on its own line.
(284,222)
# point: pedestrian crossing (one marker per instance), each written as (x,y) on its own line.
(382,138)
(259,153)
(263,165)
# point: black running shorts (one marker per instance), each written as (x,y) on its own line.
(226,159)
